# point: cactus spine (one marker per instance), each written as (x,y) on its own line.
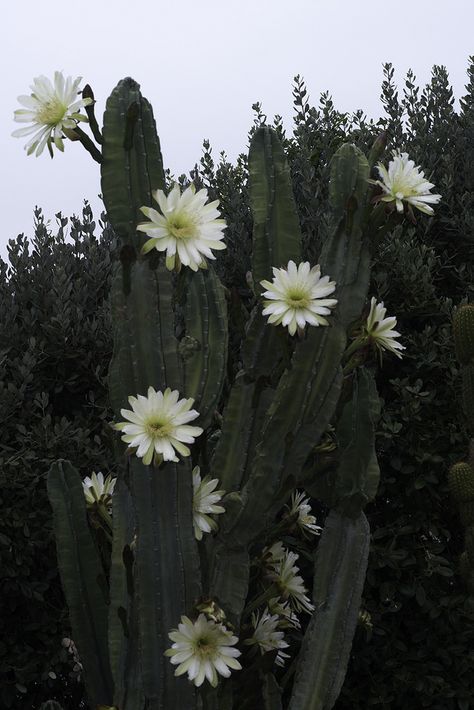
(280,404)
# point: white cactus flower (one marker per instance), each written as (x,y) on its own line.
(404,182)
(379,329)
(285,574)
(187,228)
(267,636)
(297,296)
(203,649)
(204,503)
(158,425)
(301,508)
(51,108)
(97,489)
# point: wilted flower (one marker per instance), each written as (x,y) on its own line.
(404,182)
(379,329)
(301,508)
(51,109)
(159,424)
(187,229)
(97,489)
(204,503)
(267,636)
(285,574)
(297,296)
(202,649)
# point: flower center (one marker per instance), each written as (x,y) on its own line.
(181,226)
(158,428)
(51,112)
(297,298)
(205,647)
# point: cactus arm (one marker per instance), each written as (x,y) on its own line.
(248,401)
(345,254)
(299,414)
(166,564)
(340,568)
(276,231)
(271,693)
(276,240)
(122,615)
(145,349)
(206,324)
(132,164)
(355,481)
(228,462)
(166,574)
(82,578)
(357,476)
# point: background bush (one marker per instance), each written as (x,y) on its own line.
(415,645)
(55,344)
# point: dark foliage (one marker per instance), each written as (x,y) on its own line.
(55,344)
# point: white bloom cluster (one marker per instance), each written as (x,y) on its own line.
(285,574)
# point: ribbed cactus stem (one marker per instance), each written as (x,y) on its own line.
(463,331)
(470,546)
(461,482)
(467,379)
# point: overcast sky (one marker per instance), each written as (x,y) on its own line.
(202,65)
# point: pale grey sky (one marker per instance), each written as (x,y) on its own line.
(202,65)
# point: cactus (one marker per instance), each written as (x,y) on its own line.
(463,331)
(461,475)
(461,482)
(274,414)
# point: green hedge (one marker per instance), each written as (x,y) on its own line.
(55,344)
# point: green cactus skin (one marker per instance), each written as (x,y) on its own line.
(132,164)
(467,379)
(206,326)
(357,476)
(339,574)
(345,255)
(463,331)
(123,625)
(276,230)
(466,511)
(271,693)
(464,566)
(83,579)
(461,482)
(470,546)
